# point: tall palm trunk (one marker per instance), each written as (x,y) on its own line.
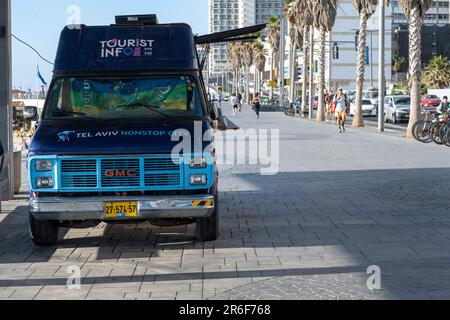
(260,80)
(236,81)
(258,86)
(415,58)
(247,84)
(305,69)
(272,64)
(360,69)
(239,83)
(321,78)
(293,73)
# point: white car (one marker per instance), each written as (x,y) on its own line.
(368,108)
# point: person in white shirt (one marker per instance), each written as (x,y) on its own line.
(341,110)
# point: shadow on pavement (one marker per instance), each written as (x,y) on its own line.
(343,220)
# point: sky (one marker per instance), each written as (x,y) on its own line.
(40,22)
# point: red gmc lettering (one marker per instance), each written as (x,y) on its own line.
(120,173)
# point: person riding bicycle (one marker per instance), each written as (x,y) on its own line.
(443,109)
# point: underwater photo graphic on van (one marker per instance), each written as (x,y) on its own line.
(125,98)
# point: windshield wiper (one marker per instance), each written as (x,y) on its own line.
(147,107)
(73,113)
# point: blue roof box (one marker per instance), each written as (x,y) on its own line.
(84,49)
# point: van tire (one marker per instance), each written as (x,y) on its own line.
(43,233)
(208,228)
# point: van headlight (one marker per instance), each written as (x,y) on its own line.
(44,182)
(198,179)
(44,165)
(198,163)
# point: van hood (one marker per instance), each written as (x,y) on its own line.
(114,139)
(403,107)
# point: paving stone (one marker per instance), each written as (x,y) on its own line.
(337,206)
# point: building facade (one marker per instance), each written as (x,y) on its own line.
(341,70)
(232,14)
(438,13)
(435,33)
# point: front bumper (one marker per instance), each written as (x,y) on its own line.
(89,208)
(402,116)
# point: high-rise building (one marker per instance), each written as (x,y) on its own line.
(232,14)
(438,13)
(435,32)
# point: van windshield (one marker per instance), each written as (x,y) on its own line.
(133,98)
(403,100)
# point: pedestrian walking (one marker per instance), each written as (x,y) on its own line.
(330,104)
(341,110)
(239,96)
(234,103)
(257,105)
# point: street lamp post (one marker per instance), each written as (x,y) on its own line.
(381,75)
(7,176)
(282,55)
(311,72)
(371,59)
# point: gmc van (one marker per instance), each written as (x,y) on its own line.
(122,99)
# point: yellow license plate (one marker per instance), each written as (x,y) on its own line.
(121,209)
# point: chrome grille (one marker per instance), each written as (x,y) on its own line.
(77,174)
(121,168)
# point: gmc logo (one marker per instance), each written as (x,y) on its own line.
(120,173)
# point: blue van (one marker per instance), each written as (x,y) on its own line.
(121,100)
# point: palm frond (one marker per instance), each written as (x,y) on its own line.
(408,5)
(325,12)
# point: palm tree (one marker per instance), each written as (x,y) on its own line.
(247,59)
(365,9)
(273,32)
(415,10)
(398,62)
(296,37)
(324,12)
(260,61)
(437,73)
(305,20)
(234,57)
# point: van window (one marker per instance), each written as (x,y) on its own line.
(403,100)
(133,98)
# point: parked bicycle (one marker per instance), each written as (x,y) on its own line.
(439,131)
(434,128)
(291,110)
(422,129)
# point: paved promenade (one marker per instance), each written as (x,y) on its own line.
(339,204)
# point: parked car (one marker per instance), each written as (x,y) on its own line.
(368,109)
(397,108)
(429,102)
(351,95)
(372,96)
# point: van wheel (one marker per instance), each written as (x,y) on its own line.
(43,232)
(208,228)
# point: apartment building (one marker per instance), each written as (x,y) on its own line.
(232,14)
